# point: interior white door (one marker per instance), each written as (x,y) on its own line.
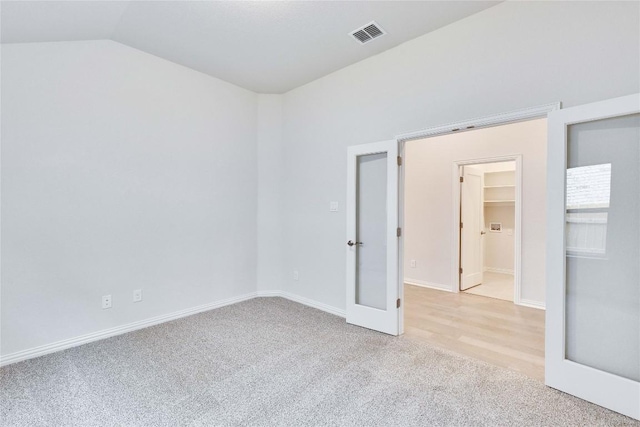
(593,253)
(372,242)
(472,229)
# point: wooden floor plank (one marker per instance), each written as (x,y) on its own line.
(495,331)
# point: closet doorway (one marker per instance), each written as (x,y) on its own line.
(487,238)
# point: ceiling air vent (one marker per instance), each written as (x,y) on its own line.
(368,32)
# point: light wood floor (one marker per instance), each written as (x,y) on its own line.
(494,285)
(495,331)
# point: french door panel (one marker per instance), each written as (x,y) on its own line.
(593,253)
(372,242)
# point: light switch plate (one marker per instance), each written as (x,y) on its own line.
(333,206)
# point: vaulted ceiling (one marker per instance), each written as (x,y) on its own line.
(264,46)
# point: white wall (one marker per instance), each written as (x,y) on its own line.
(120,171)
(429,186)
(512,56)
(270,237)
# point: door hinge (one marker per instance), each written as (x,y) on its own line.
(398,231)
(399,161)
(462,179)
(461,225)
(398,303)
(460,270)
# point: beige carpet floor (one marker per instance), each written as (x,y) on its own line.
(272,362)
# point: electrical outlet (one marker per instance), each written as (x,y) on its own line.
(106,301)
(295,275)
(413,263)
(137,295)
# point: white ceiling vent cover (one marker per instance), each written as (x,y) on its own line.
(368,32)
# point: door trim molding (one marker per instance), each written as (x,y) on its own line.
(455,256)
(498,119)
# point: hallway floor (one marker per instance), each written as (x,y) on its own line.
(494,285)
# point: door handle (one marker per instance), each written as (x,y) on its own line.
(350,243)
(482,233)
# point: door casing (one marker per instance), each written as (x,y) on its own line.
(455,275)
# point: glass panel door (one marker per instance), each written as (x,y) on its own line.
(602,315)
(372,243)
(371,235)
(593,253)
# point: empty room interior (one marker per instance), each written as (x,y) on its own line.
(319,213)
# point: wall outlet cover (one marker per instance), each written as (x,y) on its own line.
(106,301)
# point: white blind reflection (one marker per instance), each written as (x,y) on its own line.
(589,186)
(588,198)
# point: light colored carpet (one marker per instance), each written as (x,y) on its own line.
(272,362)
(494,285)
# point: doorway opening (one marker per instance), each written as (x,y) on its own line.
(466,286)
(487,238)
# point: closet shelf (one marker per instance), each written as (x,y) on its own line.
(500,202)
(499,189)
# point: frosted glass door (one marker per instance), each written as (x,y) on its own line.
(372,244)
(603,262)
(593,296)
(371,231)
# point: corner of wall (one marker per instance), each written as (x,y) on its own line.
(269,215)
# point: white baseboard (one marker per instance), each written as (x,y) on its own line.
(533,304)
(118,330)
(304,301)
(430,285)
(499,270)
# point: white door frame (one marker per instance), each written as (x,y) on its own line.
(532,113)
(455,276)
